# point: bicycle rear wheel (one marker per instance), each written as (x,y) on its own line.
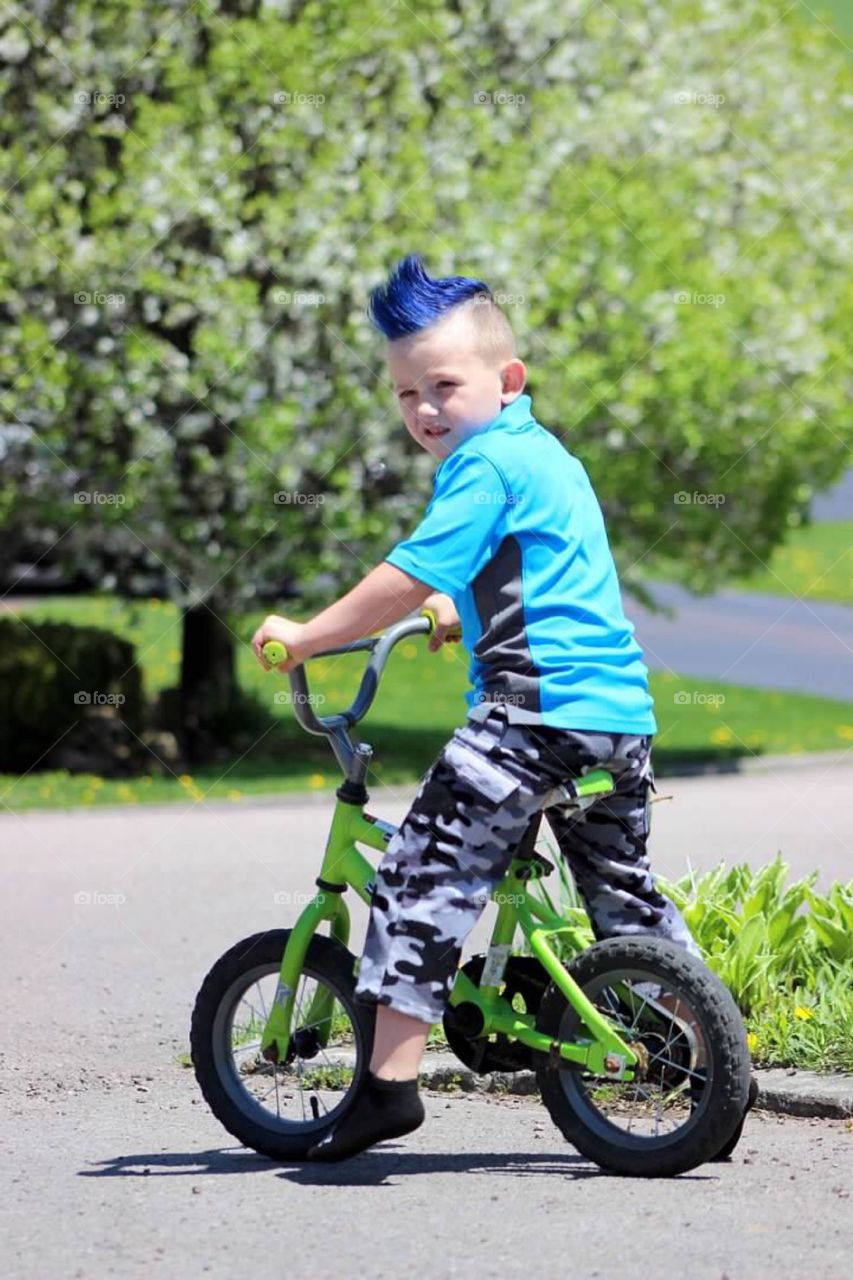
(280,1109)
(688,1098)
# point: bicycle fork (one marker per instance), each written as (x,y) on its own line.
(343,866)
(275,1041)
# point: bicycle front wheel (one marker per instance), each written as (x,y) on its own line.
(280,1109)
(691,1088)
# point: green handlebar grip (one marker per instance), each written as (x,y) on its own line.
(274,652)
(455,634)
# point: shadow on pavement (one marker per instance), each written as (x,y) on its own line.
(373,1167)
(370,1168)
(174,1164)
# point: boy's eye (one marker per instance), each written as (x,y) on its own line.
(444,383)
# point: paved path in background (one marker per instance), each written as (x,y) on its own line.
(837,504)
(737,637)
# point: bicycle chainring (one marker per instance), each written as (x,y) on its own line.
(523,976)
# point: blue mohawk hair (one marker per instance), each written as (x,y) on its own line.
(412,300)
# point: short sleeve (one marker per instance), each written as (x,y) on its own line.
(454,540)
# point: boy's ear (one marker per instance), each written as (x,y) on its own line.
(513,378)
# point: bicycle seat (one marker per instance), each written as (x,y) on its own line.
(581,792)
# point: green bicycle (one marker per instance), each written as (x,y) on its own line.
(639,1051)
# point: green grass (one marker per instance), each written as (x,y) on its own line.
(420,702)
(837,14)
(816,563)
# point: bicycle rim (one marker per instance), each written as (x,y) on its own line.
(306,1093)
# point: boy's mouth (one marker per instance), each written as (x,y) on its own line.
(435,433)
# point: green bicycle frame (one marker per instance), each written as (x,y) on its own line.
(604,1053)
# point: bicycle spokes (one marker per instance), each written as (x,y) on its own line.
(310,1085)
(669,1087)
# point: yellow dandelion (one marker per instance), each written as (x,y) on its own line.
(408,651)
(153,604)
(235,795)
(803,1013)
(96,783)
(751,1041)
(186,779)
(317,780)
(845,731)
(722,736)
(123,791)
(173,655)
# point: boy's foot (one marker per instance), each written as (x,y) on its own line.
(384,1109)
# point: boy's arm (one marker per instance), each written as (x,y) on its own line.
(383,597)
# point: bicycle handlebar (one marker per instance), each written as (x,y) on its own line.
(380,647)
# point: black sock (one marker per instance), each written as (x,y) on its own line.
(383,1109)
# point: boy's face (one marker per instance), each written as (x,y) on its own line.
(446,390)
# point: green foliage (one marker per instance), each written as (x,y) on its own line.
(759,933)
(52,679)
(784,951)
(189,254)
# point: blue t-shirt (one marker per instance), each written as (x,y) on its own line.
(515,535)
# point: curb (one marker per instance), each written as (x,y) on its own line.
(754,764)
(781,1091)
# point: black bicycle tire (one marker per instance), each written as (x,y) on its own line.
(327,959)
(728,1077)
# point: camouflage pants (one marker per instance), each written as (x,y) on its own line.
(463,829)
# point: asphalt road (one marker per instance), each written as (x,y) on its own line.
(105,1180)
(113,1166)
(837,504)
(735,637)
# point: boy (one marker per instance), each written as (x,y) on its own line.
(513,545)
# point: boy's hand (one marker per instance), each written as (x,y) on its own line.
(447,620)
(289,633)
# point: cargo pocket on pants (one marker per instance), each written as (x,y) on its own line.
(492,783)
